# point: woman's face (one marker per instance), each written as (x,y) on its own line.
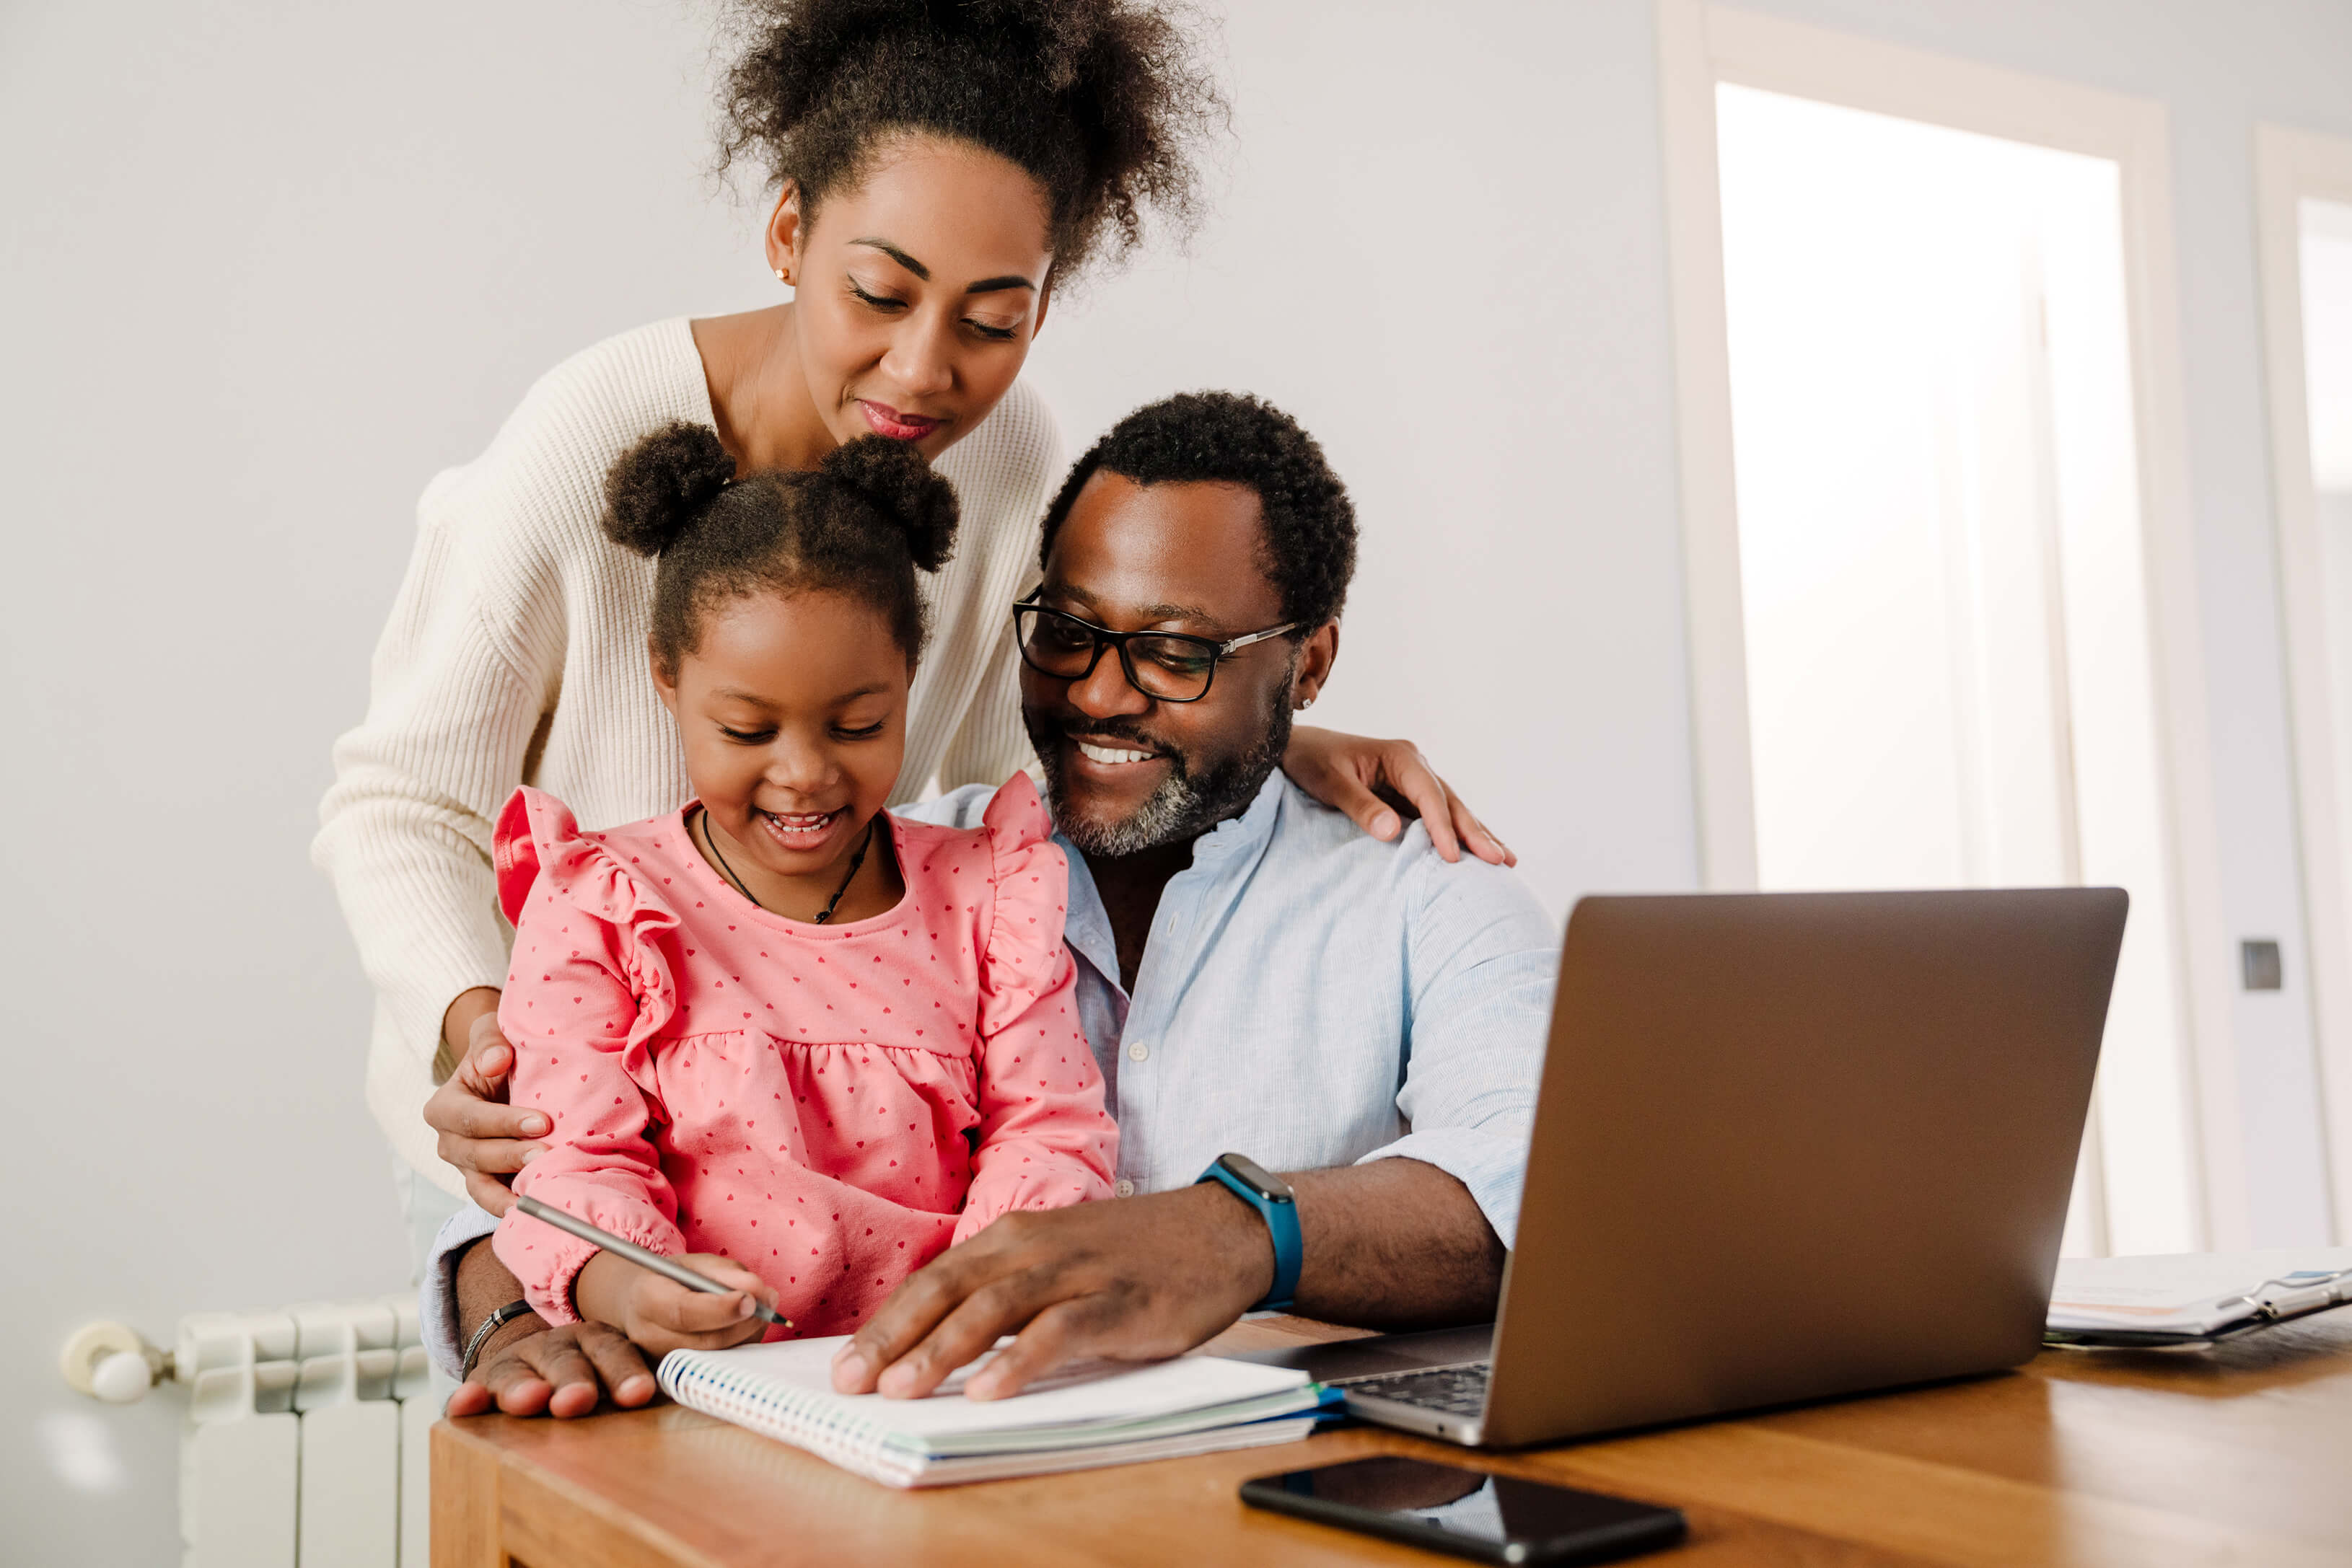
(793,712)
(917,291)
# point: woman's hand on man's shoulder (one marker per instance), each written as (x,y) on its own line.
(1379,783)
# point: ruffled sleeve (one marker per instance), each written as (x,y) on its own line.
(540,853)
(586,989)
(1045,1138)
(1030,883)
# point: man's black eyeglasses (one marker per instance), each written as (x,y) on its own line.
(1167,667)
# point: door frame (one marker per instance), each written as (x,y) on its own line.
(2290,165)
(1700,44)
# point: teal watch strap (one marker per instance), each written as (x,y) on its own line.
(1273,1199)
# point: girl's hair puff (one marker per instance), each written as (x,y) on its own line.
(860,524)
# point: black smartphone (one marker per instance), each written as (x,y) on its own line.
(1489,1519)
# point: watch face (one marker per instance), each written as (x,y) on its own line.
(1256,1177)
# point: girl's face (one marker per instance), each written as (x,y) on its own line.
(793,711)
(917,292)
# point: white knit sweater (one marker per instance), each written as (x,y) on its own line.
(516,654)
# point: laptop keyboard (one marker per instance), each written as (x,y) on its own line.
(1455,1390)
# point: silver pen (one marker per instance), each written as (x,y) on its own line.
(667,1268)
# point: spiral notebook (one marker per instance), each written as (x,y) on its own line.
(1094,1414)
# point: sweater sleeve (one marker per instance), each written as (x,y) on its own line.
(405,830)
(1003,501)
(1045,1138)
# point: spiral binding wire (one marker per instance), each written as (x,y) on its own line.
(816,1422)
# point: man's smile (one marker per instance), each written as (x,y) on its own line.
(1110,756)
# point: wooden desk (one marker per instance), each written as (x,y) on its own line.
(2240,1455)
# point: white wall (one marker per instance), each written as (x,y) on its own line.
(265,267)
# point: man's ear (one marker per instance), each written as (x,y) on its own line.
(1316,657)
(785,233)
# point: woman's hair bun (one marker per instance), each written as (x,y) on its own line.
(660,486)
(904,489)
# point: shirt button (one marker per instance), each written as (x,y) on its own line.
(1124,1189)
(1139,1051)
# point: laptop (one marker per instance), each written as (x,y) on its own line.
(1788,1147)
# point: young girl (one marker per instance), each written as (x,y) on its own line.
(781,1031)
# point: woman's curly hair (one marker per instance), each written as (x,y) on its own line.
(1100,99)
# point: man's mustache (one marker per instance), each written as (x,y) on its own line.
(1076,728)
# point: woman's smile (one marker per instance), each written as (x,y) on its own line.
(899,426)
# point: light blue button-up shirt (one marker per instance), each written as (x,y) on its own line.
(1310,997)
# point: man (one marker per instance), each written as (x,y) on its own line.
(1255,975)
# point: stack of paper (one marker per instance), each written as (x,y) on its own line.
(1093,1415)
(2190,1296)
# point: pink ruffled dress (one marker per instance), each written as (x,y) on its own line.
(828,1106)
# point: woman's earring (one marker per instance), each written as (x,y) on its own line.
(784,277)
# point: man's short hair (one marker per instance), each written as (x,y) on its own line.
(1233,438)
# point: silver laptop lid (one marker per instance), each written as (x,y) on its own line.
(1798,1145)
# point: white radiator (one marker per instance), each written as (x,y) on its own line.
(306,1439)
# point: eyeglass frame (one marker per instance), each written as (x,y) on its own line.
(1104,637)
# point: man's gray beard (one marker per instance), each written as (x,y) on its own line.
(1182,806)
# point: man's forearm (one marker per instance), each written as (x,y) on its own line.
(1394,1243)
(484,1285)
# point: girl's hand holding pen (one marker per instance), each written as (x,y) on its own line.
(660,1316)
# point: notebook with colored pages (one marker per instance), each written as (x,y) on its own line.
(1096,1414)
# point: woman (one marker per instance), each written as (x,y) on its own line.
(940,172)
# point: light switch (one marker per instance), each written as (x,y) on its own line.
(2259,960)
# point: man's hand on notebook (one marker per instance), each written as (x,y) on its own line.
(1136,1280)
(1391,1243)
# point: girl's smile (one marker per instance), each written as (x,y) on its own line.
(801,833)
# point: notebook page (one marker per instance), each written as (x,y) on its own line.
(1081,1397)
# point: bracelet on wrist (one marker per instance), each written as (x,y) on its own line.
(491,1325)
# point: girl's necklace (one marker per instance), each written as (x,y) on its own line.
(856,862)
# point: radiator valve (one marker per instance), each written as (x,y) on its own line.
(110,1361)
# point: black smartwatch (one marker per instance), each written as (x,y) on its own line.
(1278,1207)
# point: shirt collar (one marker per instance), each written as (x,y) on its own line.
(1250,830)
(1087,926)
